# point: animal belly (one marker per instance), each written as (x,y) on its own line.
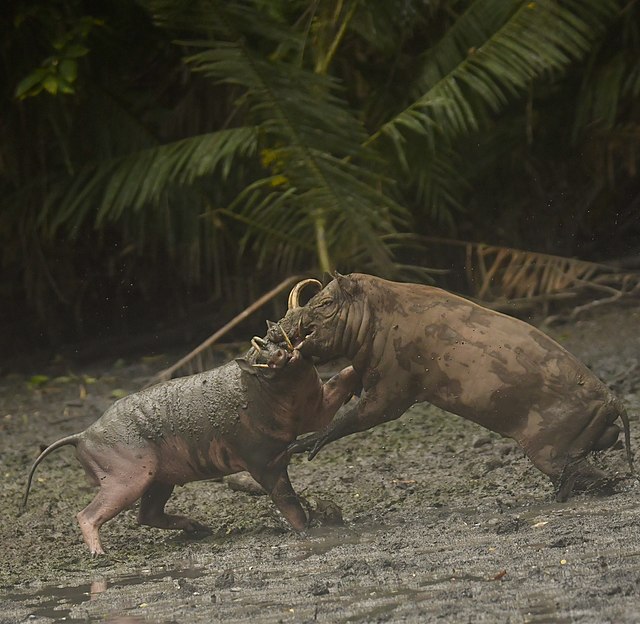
(182,461)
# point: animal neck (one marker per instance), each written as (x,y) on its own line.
(286,394)
(358,332)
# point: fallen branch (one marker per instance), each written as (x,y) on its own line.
(194,362)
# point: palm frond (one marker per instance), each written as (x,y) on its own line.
(537,38)
(313,145)
(141,178)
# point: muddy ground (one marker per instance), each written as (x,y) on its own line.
(443,521)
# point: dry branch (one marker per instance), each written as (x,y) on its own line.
(199,359)
(514,279)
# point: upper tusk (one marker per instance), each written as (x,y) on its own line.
(257,343)
(261,366)
(294,295)
(286,337)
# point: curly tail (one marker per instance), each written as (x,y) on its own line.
(72,439)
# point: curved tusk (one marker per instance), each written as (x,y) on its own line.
(286,337)
(294,295)
(257,343)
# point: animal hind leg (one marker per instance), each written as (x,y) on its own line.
(152,511)
(608,438)
(580,475)
(114,495)
(598,431)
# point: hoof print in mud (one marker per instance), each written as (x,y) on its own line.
(325,513)
(509,525)
(319,588)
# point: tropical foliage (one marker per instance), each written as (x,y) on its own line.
(167,151)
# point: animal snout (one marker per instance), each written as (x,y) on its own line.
(279,358)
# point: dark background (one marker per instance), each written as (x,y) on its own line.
(126,223)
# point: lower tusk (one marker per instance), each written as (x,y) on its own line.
(260,366)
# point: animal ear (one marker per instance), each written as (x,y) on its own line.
(346,284)
(246,367)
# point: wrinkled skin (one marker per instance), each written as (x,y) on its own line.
(232,418)
(411,343)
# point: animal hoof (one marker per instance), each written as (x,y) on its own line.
(302,445)
(326,513)
(561,497)
(316,448)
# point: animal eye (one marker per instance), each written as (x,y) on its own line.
(325,303)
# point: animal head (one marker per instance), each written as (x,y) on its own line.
(318,327)
(267,359)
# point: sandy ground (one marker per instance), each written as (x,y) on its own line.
(443,521)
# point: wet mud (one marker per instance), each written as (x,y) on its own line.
(443,520)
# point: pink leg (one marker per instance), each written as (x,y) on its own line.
(114,496)
(277,484)
(335,393)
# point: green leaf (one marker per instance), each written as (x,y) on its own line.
(36,381)
(68,70)
(51,84)
(27,84)
(75,50)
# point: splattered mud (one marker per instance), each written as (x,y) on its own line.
(444,521)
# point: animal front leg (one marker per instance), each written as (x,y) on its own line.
(336,392)
(279,487)
(369,412)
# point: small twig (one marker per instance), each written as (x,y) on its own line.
(594,304)
(579,309)
(602,287)
(624,374)
(522,303)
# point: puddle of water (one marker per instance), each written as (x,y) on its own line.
(385,603)
(57,601)
(376,604)
(544,609)
(51,602)
(323,539)
(452,578)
